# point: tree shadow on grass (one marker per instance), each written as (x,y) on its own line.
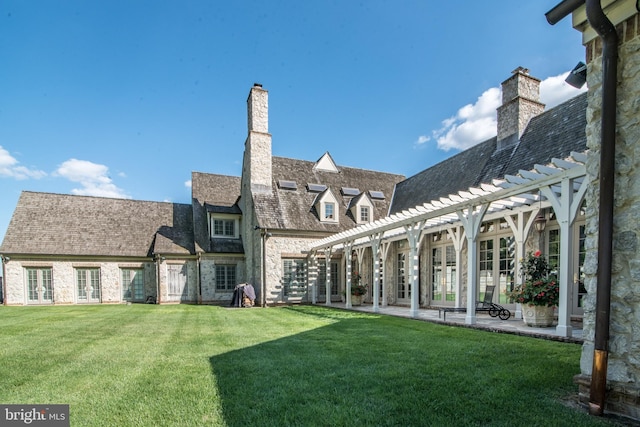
(354,372)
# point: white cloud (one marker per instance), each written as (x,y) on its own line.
(93,177)
(554,90)
(187,184)
(9,167)
(472,124)
(477,122)
(422,139)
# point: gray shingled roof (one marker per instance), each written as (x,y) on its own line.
(213,193)
(554,133)
(58,224)
(293,209)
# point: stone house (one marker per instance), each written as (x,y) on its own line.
(63,249)
(304,231)
(267,226)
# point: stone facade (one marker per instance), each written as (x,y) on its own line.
(63,276)
(623,371)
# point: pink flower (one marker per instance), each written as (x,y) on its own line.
(537,254)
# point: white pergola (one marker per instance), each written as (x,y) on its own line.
(563,184)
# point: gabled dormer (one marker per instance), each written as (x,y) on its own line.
(326,164)
(361,208)
(326,204)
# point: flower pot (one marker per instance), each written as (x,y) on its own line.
(356,299)
(537,316)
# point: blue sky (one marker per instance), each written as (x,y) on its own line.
(126,98)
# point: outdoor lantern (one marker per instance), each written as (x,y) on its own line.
(540,222)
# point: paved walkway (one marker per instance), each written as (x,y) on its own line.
(483,321)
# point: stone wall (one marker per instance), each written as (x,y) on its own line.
(279,248)
(63,276)
(624,344)
(208,290)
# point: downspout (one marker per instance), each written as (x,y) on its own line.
(199,278)
(4,260)
(607,32)
(263,270)
(158,261)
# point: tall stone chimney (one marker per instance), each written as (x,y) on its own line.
(257,149)
(520,103)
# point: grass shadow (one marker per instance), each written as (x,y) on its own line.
(363,369)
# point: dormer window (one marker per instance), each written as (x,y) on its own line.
(361,208)
(224,226)
(329,211)
(326,206)
(364,214)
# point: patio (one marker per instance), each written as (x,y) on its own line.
(483,321)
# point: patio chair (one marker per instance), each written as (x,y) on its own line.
(487,304)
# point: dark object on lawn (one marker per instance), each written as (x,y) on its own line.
(243,296)
(151,299)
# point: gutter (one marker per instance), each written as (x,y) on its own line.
(607,32)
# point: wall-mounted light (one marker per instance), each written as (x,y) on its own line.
(578,76)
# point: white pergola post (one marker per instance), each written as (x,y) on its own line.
(520,230)
(348,247)
(313,276)
(566,208)
(375,249)
(471,222)
(414,231)
(327,290)
(457,237)
(384,251)
(360,257)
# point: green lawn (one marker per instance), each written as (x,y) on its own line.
(200,365)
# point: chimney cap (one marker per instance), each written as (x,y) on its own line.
(521,70)
(257,85)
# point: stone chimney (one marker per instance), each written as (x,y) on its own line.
(520,103)
(257,149)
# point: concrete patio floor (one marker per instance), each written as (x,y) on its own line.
(483,322)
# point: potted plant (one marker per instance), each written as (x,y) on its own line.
(357,290)
(539,293)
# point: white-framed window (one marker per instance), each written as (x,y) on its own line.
(361,209)
(132,284)
(365,214)
(443,273)
(224,226)
(326,206)
(88,284)
(39,286)
(496,260)
(333,278)
(404,290)
(329,211)
(578,290)
(294,277)
(226,278)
